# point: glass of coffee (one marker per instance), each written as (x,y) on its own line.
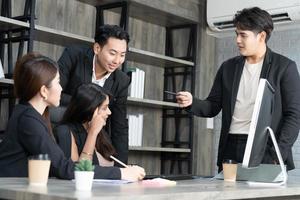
(38,169)
(229,170)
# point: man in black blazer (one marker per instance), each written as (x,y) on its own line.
(100,64)
(235,87)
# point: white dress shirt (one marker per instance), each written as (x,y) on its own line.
(101,81)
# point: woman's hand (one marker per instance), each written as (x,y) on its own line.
(97,122)
(132,173)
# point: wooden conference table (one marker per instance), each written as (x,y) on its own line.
(18,188)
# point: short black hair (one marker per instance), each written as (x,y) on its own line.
(103,33)
(254,19)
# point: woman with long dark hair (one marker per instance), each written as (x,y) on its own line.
(81,134)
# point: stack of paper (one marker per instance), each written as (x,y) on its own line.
(137,83)
(158,182)
(111,182)
(135,131)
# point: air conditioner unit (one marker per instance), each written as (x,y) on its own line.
(220,15)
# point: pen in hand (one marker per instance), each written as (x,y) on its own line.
(171,93)
(174,93)
(118,161)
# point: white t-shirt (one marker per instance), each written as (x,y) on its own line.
(241,119)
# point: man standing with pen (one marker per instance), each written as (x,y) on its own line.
(235,87)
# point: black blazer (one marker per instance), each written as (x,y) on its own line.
(282,74)
(27,134)
(76,67)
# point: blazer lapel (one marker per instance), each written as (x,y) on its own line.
(88,66)
(238,69)
(267,64)
(109,83)
(108,86)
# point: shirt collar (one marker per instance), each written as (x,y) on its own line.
(94,72)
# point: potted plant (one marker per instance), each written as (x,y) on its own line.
(84,175)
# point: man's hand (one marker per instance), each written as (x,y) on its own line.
(184,99)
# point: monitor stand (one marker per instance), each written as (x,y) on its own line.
(283,169)
(1,70)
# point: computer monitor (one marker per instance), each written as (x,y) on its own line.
(261,119)
(260,129)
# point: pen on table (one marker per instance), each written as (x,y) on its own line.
(118,161)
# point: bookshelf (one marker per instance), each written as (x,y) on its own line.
(8,24)
(159,12)
(54,36)
(171,17)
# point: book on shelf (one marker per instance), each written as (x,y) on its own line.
(136,88)
(135,130)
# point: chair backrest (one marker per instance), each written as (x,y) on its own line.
(2,135)
(56,114)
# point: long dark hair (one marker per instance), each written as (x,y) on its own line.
(81,109)
(31,72)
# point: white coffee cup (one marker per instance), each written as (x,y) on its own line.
(229,170)
(38,169)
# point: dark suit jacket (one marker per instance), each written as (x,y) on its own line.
(282,74)
(76,67)
(27,134)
